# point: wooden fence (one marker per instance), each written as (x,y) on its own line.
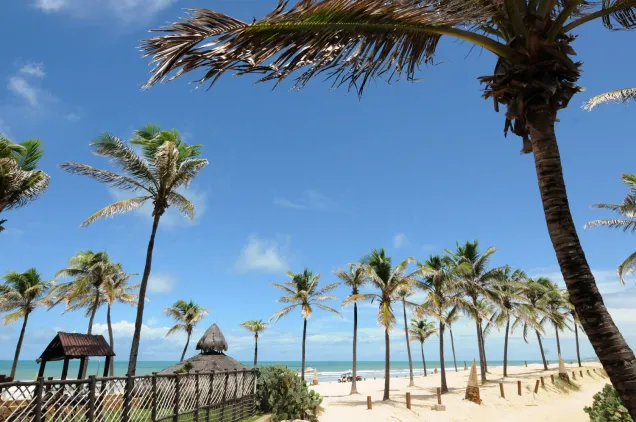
(188,397)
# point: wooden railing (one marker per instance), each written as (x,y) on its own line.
(187,397)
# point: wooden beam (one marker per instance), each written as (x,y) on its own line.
(80,373)
(107,364)
(65,368)
(42,366)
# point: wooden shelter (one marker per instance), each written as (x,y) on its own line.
(67,346)
(212,357)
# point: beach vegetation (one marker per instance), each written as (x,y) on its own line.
(608,407)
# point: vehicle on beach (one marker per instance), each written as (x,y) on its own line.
(348,377)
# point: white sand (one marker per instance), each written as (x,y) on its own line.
(552,403)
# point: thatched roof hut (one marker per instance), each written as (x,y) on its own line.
(212,357)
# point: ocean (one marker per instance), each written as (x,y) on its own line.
(327,370)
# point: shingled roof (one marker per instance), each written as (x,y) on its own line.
(74,345)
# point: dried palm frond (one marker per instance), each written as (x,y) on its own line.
(618,96)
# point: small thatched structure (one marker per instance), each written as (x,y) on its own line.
(212,357)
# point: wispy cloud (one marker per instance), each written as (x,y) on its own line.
(400,240)
(33,69)
(126,11)
(309,200)
(24,89)
(262,255)
(161,283)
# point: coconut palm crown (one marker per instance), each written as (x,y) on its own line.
(186,315)
(165,165)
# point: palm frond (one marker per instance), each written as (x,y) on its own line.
(617,96)
(627,267)
(119,207)
(103,176)
(358,298)
(626,225)
(329,309)
(125,157)
(187,171)
(185,207)
(281,313)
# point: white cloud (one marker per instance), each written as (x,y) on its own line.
(24,89)
(309,200)
(33,69)
(262,255)
(126,11)
(399,240)
(73,117)
(161,283)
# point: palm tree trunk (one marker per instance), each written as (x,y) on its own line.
(556,330)
(408,346)
(442,366)
(505,362)
(479,346)
(84,362)
(255,349)
(134,349)
(617,358)
(18,348)
(354,385)
(111,340)
(483,347)
(545,363)
(450,329)
(185,349)
(302,365)
(576,335)
(387,364)
(423,359)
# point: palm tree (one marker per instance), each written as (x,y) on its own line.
(355,41)
(20,181)
(554,308)
(576,322)
(402,295)
(117,290)
(471,267)
(450,317)
(20,295)
(438,281)
(617,96)
(421,330)
(534,291)
(354,278)
(256,326)
(186,315)
(302,291)
(508,294)
(388,280)
(626,209)
(167,164)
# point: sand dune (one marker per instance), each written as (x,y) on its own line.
(554,402)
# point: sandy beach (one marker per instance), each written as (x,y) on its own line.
(551,403)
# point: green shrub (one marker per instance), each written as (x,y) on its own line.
(608,407)
(282,393)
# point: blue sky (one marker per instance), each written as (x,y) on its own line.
(314,178)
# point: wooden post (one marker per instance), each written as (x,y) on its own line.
(501,390)
(153,397)
(65,368)
(536,387)
(177,398)
(542,383)
(581,373)
(80,373)
(439,395)
(552,378)
(369,405)
(408,400)
(42,366)
(197,396)
(127,398)
(588,373)
(91,398)
(107,363)
(227,375)
(209,399)
(39,389)
(573,375)
(235,395)
(519,387)
(48,387)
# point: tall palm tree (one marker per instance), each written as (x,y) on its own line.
(471,267)
(576,322)
(626,209)
(508,294)
(20,180)
(450,317)
(302,292)
(402,295)
(556,312)
(535,289)
(117,290)
(20,294)
(354,278)
(421,330)
(256,326)
(165,165)
(438,281)
(388,280)
(186,315)
(617,96)
(355,41)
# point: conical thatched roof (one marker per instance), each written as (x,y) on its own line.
(213,341)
